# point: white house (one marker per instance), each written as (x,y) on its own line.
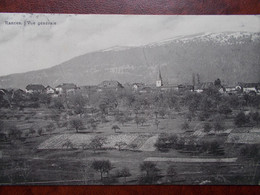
(49,90)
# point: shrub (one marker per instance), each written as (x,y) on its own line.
(171,173)
(76,124)
(213,147)
(162,143)
(185,126)
(115,127)
(68,144)
(250,151)
(224,109)
(50,127)
(125,172)
(218,126)
(102,166)
(40,131)
(32,131)
(256,117)
(151,173)
(97,143)
(207,127)
(203,115)
(240,119)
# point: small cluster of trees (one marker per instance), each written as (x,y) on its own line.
(166,142)
(150,172)
(241,119)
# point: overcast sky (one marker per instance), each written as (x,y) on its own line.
(25,48)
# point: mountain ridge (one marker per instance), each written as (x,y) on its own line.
(235,59)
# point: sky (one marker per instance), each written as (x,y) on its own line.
(32,47)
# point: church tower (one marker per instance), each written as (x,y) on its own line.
(159,82)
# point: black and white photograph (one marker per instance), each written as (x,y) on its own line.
(129,99)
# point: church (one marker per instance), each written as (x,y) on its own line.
(159,82)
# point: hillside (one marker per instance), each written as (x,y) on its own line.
(232,57)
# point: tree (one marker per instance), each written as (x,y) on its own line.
(162,112)
(256,117)
(151,172)
(76,124)
(137,121)
(84,146)
(142,120)
(125,172)
(45,98)
(132,146)
(157,122)
(32,131)
(219,123)
(2,125)
(40,131)
(207,127)
(68,144)
(156,114)
(14,132)
(171,173)
(217,82)
(218,126)
(93,123)
(213,147)
(102,166)
(185,126)
(224,109)
(240,119)
(120,145)
(97,142)
(250,151)
(25,170)
(58,103)
(77,100)
(86,173)
(50,127)
(115,127)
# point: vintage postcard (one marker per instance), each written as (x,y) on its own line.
(129,99)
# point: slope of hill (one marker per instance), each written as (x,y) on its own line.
(232,57)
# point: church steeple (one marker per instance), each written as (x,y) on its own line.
(159,82)
(160,75)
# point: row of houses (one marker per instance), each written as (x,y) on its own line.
(63,88)
(71,88)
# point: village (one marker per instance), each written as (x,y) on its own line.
(113,133)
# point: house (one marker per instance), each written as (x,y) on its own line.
(34,88)
(114,85)
(184,87)
(145,90)
(66,88)
(50,90)
(209,85)
(169,87)
(137,86)
(250,88)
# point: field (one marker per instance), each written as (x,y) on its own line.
(55,146)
